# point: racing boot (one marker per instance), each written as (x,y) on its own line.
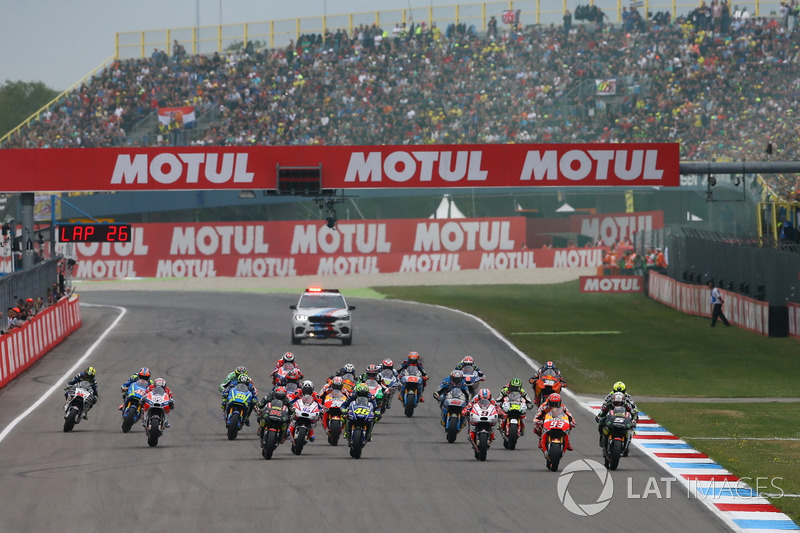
(311,437)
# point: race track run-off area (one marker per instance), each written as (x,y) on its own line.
(96,478)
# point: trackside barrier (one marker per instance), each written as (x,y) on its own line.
(747,313)
(794,320)
(23,346)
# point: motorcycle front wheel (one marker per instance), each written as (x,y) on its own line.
(513,435)
(616,452)
(299,440)
(356,443)
(73,415)
(452,428)
(483,446)
(335,430)
(153,431)
(409,405)
(269,445)
(554,452)
(233,427)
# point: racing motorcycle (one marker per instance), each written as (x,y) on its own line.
(555,428)
(618,430)
(545,385)
(273,420)
(452,404)
(132,408)
(306,414)
(332,418)
(390,384)
(411,385)
(349,382)
(281,373)
(471,378)
(377,392)
(513,424)
(290,381)
(239,400)
(482,419)
(79,398)
(361,415)
(156,408)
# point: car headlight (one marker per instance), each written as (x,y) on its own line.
(301,317)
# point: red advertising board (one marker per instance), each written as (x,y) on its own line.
(280,249)
(343,167)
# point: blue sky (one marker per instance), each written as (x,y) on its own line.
(58,42)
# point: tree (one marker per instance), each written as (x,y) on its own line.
(19,100)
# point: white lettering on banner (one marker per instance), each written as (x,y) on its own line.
(401,166)
(168,168)
(430,263)
(265,267)
(577,165)
(463,236)
(106,269)
(124,249)
(579,257)
(611,284)
(614,228)
(346,238)
(348,265)
(213,240)
(507,261)
(186,268)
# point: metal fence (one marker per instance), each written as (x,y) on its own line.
(760,268)
(31,283)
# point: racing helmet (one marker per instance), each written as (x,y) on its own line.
(554,400)
(307,387)
(91,372)
(362,389)
(468,360)
(515,385)
(485,394)
(349,368)
(280,393)
(456,376)
(372,371)
(337,383)
(619,386)
(160,382)
(288,357)
(241,369)
(387,363)
(549,364)
(618,399)
(413,358)
(144,373)
(243,378)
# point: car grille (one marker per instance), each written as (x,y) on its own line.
(322,319)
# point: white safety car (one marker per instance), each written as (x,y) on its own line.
(322,314)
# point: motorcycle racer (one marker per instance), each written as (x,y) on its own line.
(288,357)
(549,366)
(618,397)
(307,389)
(468,360)
(244,379)
(161,382)
(370,372)
(619,386)
(87,375)
(482,396)
(144,373)
(553,401)
(278,394)
(361,391)
(238,371)
(453,381)
(337,383)
(348,368)
(515,385)
(413,360)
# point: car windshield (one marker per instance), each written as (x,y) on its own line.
(316,300)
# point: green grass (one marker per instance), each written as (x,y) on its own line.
(745,458)
(657,352)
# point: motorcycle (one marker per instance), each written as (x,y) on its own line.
(546,385)
(132,408)
(280,374)
(361,415)
(452,404)
(513,424)
(79,398)
(555,428)
(482,419)
(618,429)
(349,382)
(306,414)
(390,384)
(377,392)
(412,384)
(156,408)
(332,418)
(239,401)
(273,420)
(471,378)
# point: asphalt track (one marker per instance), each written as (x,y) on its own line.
(409,479)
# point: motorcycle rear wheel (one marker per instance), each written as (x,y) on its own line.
(233,427)
(70,420)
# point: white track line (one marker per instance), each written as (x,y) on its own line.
(68,374)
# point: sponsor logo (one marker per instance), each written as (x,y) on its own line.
(402,166)
(615,284)
(186,268)
(430,263)
(610,229)
(348,265)
(507,261)
(346,238)
(585,509)
(169,169)
(265,267)
(463,236)
(592,165)
(579,257)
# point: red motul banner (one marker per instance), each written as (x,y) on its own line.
(612,284)
(280,249)
(23,346)
(612,227)
(343,167)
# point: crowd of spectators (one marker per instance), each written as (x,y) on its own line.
(25,309)
(724,89)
